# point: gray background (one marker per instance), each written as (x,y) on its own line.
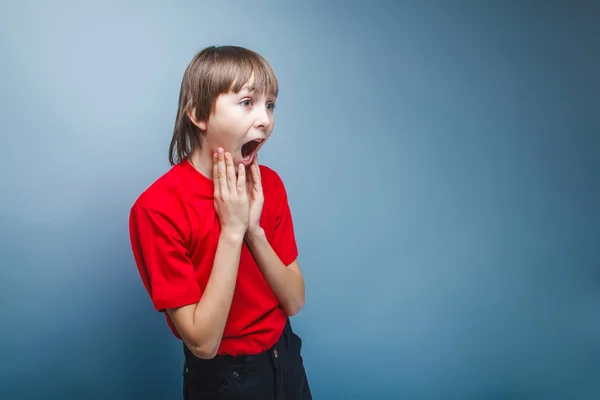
(442,164)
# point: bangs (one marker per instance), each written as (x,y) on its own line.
(244,69)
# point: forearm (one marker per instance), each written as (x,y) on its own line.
(286,283)
(212,311)
(202,324)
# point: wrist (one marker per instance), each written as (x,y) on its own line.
(233,236)
(254,233)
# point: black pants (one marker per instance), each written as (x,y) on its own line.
(275,374)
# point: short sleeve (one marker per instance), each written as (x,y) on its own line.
(162,261)
(284,239)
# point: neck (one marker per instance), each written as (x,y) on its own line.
(201,159)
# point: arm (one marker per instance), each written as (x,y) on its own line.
(169,276)
(159,241)
(201,325)
(285,281)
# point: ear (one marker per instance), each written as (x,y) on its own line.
(200,124)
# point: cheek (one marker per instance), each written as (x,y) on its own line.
(270,130)
(224,134)
(272,126)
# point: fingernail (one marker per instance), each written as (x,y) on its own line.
(220,150)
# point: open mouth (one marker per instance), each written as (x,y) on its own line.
(249,148)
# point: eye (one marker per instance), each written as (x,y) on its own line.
(271,106)
(246,102)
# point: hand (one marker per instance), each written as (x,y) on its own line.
(231,198)
(255,196)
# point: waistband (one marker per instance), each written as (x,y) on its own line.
(249,361)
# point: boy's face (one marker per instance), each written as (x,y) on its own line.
(241,123)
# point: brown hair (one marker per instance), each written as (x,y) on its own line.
(213,71)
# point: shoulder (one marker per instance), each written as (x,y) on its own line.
(270,178)
(163,196)
(274,189)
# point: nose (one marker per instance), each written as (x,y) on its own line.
(263,118)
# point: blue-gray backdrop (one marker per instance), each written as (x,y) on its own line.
(442,161)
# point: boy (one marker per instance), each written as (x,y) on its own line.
(213,237)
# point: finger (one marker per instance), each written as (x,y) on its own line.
(256,176)
(241,181)
(255,170)
(231,180)
(249,184)
(221,171)
(248,175)
(215,175)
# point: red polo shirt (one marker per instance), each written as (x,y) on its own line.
(174,231)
